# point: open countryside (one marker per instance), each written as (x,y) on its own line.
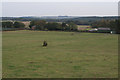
(50,40)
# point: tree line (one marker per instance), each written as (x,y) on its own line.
(112,24)
(43,25)
(9,24)
(64,26)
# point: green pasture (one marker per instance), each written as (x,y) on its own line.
(68,55)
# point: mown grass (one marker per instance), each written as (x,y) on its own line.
(68,55)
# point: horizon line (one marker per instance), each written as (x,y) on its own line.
(65,15)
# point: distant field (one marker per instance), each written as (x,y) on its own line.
(84,27)
(68,55)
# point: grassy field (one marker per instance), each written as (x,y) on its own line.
(83,26)
(68,55)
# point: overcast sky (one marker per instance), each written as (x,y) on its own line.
(60,0)
(59,8)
